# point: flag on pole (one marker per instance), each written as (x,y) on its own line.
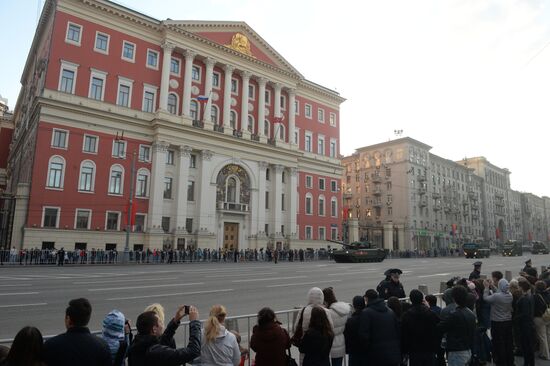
(279,119)
(202,98)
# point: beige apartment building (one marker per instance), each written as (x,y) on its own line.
(408,198)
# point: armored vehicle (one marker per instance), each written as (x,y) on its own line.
(539,248)
(512,248)
(476,250)
(359,251)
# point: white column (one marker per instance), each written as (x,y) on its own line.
(261,195)
(156,197)
(292,211)
(227,97)
(261,108)
(205,195)
(277,202)
(245,77)
(187,78)
(291,116)
(277,111)
(181,191)
(209,62)
(165,77)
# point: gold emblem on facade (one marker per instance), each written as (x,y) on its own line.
(240,43)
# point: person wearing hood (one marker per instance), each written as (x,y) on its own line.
(379,332)
(501,322)
(116,334)
(351,334)
(269,340)
(339,313)
(219,346)
(151,346)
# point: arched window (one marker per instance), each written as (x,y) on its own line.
(233,119)
(231,195)
(281,132)
(309,204)
(321,205)
(333,207)
(250,126)
(116,179)
(194,110)
(172,103)
(214,113)
(87,176)
(56,172)
(142,183)
(267,128)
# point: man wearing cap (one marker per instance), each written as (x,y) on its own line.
(528,264)
(392,287)
(476,273)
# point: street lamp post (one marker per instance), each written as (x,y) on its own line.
(126,256)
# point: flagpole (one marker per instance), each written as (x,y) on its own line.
(126,257)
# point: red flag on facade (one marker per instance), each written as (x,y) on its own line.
(497,233)
(453,226)
(133,213)
(530,236)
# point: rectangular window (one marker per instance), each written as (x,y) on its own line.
(282,230)
(50,217)
(96,88)
(170,157)
(165,224)
(309,230)
(192,161)
(266,229)
(321,115)
(86,178)
(296,136)
(283,202)
(101,43)
(333,208)
(333,119)
(191,190)
(175,66)
(148,101)
(266,200)
(196,73)
(309,181)
(234,86)
(216,80)
(167,187)
(283,102)
(74,32)
(144,153)
(334,233)
(142,183)
(307,111)
(59,139)
(67,81)
(119,149)
(90,144)
(321,145)
(309,208)
(112,220)
(152,59)
(124,96)
(321,233)
(322,184)
(115,182)
(83,219)
(268,97)
(333,186)
(308,139)
(139,223)
(189,225)
(332,148)
(128,51)
(296,107)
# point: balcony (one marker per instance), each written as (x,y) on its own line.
(465,214)
(437,207)
(423,203)
(422,190)
(475,216)
(377,203)
(436,195)
(238,133)
(422,177)
(376,178)
(377,192)
(231,206)
(198,124)
(447,208)
(499,195)
(255,137)
(218,128)
(271,142)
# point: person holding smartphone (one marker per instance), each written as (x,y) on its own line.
(154,345)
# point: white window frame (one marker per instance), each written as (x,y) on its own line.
(296,135)
(99,50)
(268,134)
(66,139)
(236,92)
(133,59)
(148,160)
(321,115)
(334,200)
(336,185)
(92,185)
(231,113)
(324,230)
(144,228)
(310,196)
(310,178)
(151,89)
(332,119)
(126,82)
(324,213)
(76,218)
(296,107)
(324,184)
(62,180)
(148,187)
(118,221)
(69,66)
(319,139)
(180,61)
(248,122)
(310,111)
(334,230)
(282,102)
(217,121)
(333,141)
(44,216)
(200,74)
(70,41)
(121,181)
(253,95)
(177,101)
(84,144)
(267,97)
(219,80)
(310,135)
(156,67)
(125,149)
(310,232)
(98,74)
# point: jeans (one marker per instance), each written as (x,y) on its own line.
(459,358)
(336,361)
(543,333)
(503,343)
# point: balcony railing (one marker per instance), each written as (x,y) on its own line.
(237,133)
(218,128)
(377,203)
(232,206)
(376,178)
(422,190)
(198,124)
(254,137)
(436,195)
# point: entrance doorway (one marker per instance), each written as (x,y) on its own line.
(231,236)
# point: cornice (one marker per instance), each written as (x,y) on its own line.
(124,12)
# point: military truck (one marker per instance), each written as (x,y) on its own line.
(512,248)
(359,251)
(476,250)
(539,248)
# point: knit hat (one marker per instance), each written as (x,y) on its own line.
(113,325)
(358,302)
(315,296)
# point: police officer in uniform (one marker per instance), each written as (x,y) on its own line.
(392,286)
(528,264)
(476,273)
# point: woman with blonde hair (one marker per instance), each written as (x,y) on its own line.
(218,345)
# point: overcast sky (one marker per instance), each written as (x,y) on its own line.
(468,77)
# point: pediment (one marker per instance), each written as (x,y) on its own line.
(239,37)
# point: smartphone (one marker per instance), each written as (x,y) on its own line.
(186,309)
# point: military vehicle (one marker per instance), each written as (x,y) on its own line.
(539,248)
(359,251)
(512,248)
(476,250)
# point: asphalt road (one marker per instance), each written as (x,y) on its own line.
(36,295)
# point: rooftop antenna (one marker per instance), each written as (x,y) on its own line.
(398,133)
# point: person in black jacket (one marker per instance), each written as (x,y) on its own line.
(419,337)
(526,324)
(391,287)
(151,345)
(379,332)
(541,298)
(77,346)
(460,327)
(317,340)
(351,334)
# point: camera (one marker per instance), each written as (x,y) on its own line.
(186,309)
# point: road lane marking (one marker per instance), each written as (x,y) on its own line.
(138,287)
(15,278)
(241,274)
(18,285)
(167,295)
(19,293)
(22,305)
(351,272)
(269,279)
(302,283)
(134,280)
(435,275)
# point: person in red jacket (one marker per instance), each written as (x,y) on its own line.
(269,340)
